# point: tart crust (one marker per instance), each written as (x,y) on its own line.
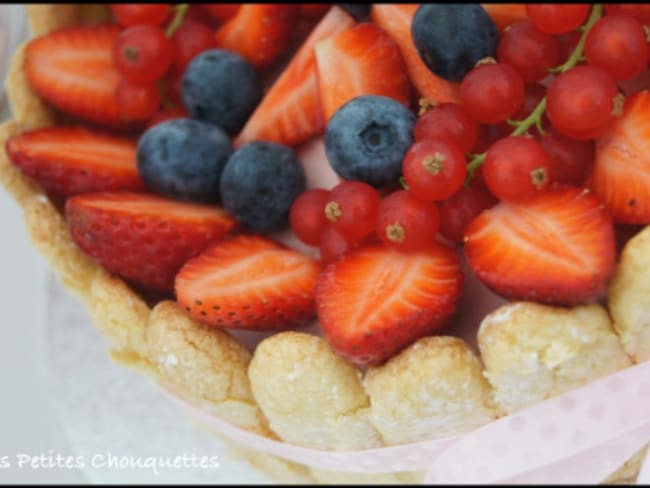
(332,404)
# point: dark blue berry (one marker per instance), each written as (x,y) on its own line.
(184,159)
(260,182)
(366,139)
(451,38)
(222,88)
(360,11)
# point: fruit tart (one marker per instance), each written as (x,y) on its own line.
(344,226)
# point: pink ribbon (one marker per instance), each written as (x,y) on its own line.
(579,437)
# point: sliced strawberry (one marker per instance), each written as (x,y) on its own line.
(505,14)
(73,70)
(249,282)
(290,113)
(396,20)
(70,160)
(621,174)
(362,60)
(557,249)
(143,238)
(261,33)
(375,301)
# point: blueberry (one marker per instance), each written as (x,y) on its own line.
(222,88)
(366,139)
(451,38)
(183,159)
(360,11)
(260,182)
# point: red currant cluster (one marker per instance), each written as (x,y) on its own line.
(152,52)
(580,55)
(527,120)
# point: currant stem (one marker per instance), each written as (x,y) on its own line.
(181,10)
(578,53)
(535,117)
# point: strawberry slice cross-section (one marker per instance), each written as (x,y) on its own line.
(73,70)
(249,282)
(621,174)
(144,238)
(259,32)
(70,160)
(362,60)
(558,249)
(290,113)
(376,301)
(396,20)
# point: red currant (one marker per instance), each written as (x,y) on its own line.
(434,169)
(447,121)
(136,102)
(557,18)
(458,211)
(533,94)
(568,43)
(640,11)
(143,53)
(307,216)
(190,39)
(572,160)
(492,92)
(529,51)
(332,245)
(617,43)
(352,209)
(515,168)
(128,14)
(406,223)
(489,134)
(581,102)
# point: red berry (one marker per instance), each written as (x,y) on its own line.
(190,39)
(533,94)
(640,11)
(568,43)
(489,134)
(459,210)
(572,160)
(352,209)
(168,114)
(617,43)
(582,102)
(140,13)
(529,51)
(492,92)
(447,121)
(516,168)
(557,18)
(406,223)
(136,102)
(332,245)
(307,216)
(434,169)
(143,53)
